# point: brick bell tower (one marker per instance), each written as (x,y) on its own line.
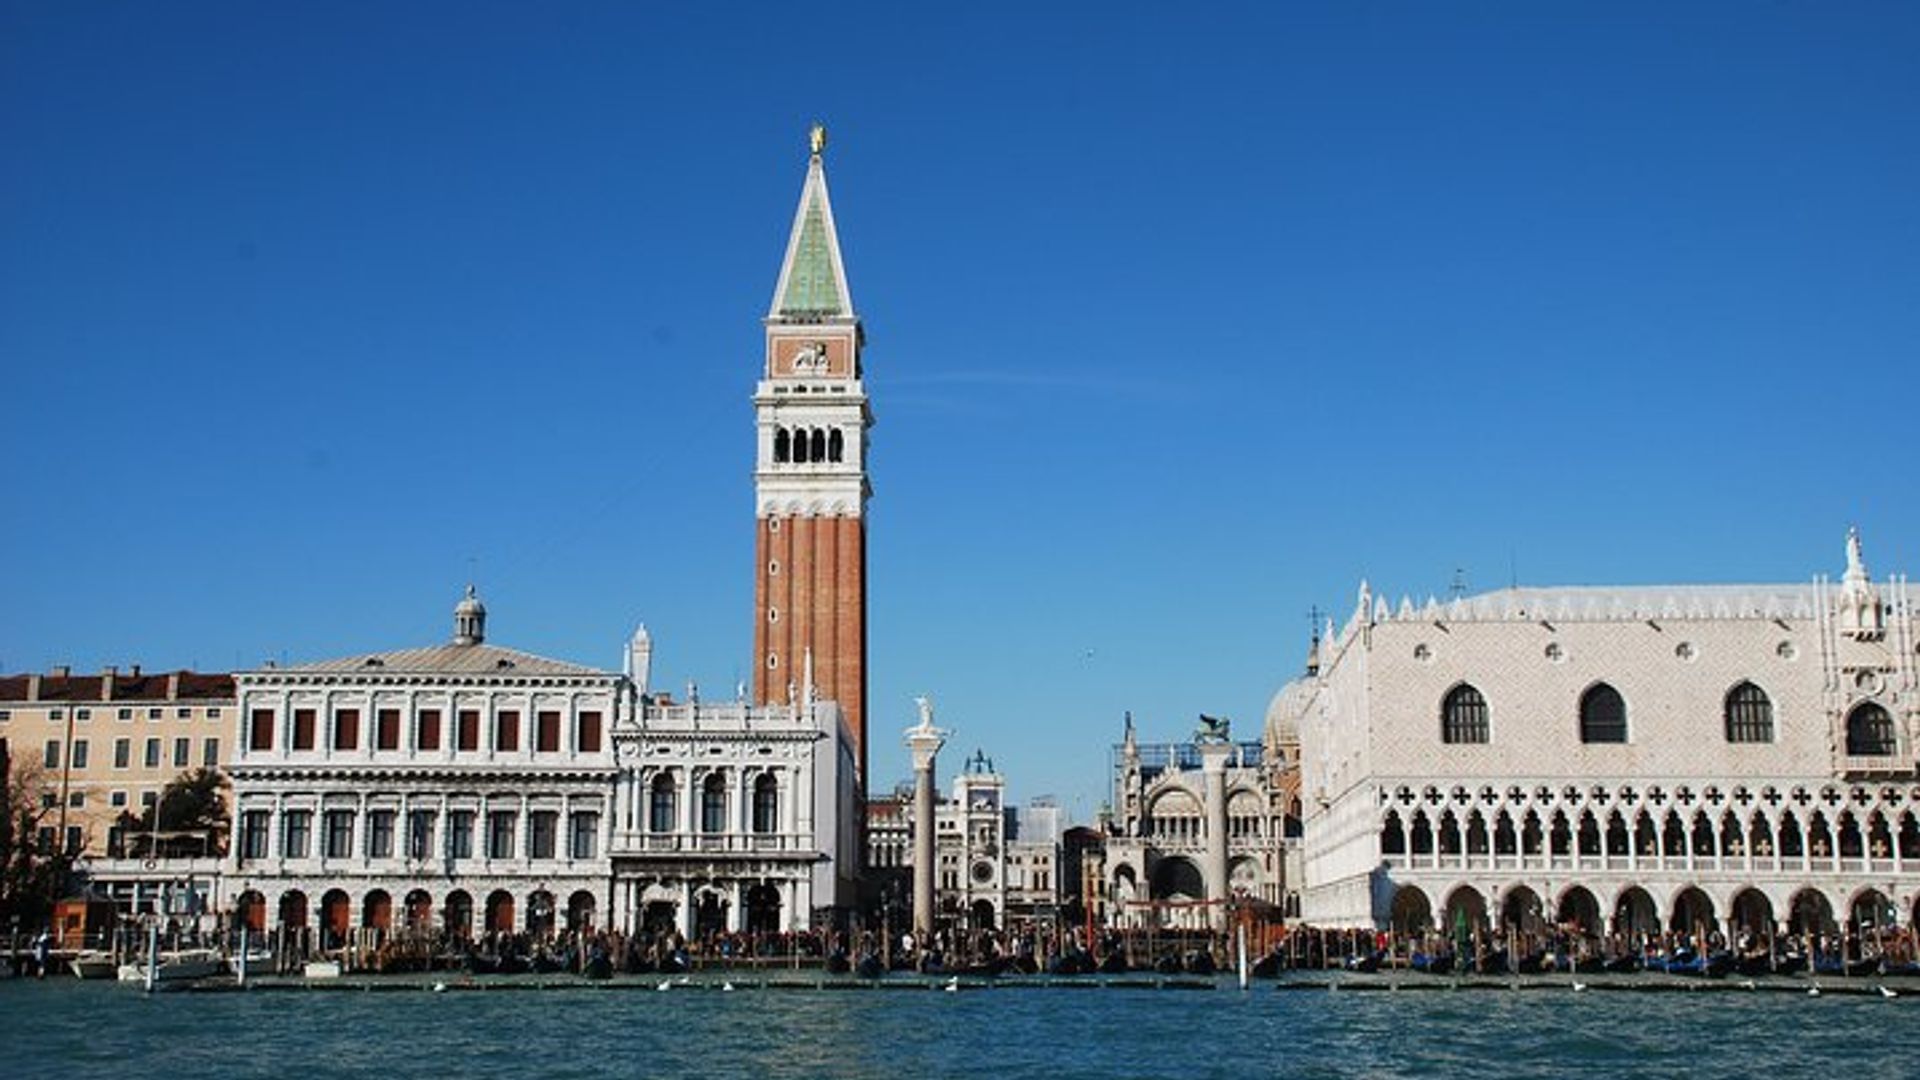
(810,477)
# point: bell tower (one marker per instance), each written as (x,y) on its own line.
(810,477)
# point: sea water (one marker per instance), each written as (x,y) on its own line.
(72,1030)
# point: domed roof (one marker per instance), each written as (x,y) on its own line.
(1285,710)
(470,604)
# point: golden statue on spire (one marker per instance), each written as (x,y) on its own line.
(817,137)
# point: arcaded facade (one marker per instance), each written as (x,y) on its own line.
(1720,757)
(463,787)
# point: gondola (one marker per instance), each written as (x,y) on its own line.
(1790,964)
(987,969)
(1624,964)
(598,966)
(1533,963)
(1364,963)
(1835,965)
(1115,964)
(1200,962)
(870,967)
(1168,965)
(1072,962)
(1269,966)
(838,964)
(1431,964)
(546,963)
(1591,964)
(1494,963)
(482,964)
(1754,964)
(674,963)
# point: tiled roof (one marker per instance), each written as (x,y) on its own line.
(450,660)
(146,686)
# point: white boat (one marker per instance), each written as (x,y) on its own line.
(323,969)
(92,964)
(181,965)
(259,962)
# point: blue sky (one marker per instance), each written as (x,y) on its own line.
(1182,319)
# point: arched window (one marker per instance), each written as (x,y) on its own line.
(1463,716)
(1603,715)
(713,804)
(781,441)
(1869,731)
(661,805)
(836,445)
(800,446)
(819,445)
(766,804)
(1749,715)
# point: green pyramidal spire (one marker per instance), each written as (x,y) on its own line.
(813,284)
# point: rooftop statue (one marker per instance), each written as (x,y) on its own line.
(1212,729)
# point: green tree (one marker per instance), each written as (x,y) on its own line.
(32,874)
(193,818)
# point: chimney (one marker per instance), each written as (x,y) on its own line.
(61,671)
(106,682)
(33,686)
(134,672)
(173,686)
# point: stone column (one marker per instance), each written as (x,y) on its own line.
(1213,764)
(924,742)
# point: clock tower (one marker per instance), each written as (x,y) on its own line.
(810,478)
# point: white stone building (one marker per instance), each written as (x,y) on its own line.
(731,817)
(464,787)
(1161,860)
(1723,757)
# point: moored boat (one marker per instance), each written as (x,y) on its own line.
(179,965)
(93,964)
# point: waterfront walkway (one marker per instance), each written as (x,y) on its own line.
(1901,989)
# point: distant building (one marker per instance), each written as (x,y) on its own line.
(996,865)
(1153,862)
(1734,757)
(106,745)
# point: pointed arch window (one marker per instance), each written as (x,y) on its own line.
(1603,715)
(819,445)
(800,446)
(1869,731)
(1463,716)
(1749,715)
(782,443)
(836,445)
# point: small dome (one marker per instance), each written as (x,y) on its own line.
(1285,710)
(469,619)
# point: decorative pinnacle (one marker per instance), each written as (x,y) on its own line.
(817,137)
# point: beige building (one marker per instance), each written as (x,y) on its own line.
(102,745)
(1739,757)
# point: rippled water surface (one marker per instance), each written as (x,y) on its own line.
(72,1030)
